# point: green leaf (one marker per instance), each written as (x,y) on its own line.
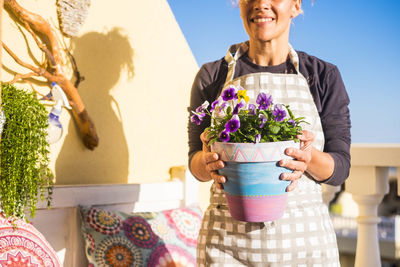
(210,135)
(290,112)
(229,111)
(274,128)
(212,141)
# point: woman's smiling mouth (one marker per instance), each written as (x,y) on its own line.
(261,19)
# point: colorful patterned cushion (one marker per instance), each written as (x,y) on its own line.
(166,238)
(24,246)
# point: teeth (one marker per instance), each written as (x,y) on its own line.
(262,20)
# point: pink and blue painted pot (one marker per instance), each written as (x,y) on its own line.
(254,191)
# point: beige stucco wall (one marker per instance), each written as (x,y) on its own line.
(138,72)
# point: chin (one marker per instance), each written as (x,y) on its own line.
(263,39)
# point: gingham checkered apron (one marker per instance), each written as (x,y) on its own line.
(304,236)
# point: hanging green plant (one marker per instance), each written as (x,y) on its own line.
(24,153)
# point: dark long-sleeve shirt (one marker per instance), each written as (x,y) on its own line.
(326,86)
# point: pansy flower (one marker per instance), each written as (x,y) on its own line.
(219,110)
(197,118)
(252,109)
(229,94)
(242,94)
(264,101)
(203,107)
(279,113)
(233,124)
(215,103)
(224,136)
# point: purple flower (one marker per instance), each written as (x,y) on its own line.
(279,113)
(252,109)
(197,118)
(292,122)
(229,94)
(224,136)
(263,120)
(203,107)
(238,106)
(233,124)
(257,138)
(214,104)
(264,100)
(219,109)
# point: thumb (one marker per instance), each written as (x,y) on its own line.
(306,139)
(204,140)
(306,136)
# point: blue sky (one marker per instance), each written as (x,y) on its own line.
(361,37)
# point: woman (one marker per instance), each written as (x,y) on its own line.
(304,236)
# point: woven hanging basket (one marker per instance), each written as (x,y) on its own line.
(71,15)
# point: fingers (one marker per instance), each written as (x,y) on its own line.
(292,186)
(306,136)
(298,166)
(219,179)
(212,161)
(213,164)
(306,140)
(210,157)
(294,165)
(300,155)
(291,176)
(203,138)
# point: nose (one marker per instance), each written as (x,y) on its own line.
(262,4)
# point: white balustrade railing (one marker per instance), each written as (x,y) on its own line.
(368,183)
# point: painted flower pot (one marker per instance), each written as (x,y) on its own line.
(254,191)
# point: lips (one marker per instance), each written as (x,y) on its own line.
(261,19)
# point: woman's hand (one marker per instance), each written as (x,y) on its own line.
(212,162)
(301,159)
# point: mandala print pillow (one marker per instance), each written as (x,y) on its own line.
(24,246)
(166,238)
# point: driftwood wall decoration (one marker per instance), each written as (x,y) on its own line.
(47,41)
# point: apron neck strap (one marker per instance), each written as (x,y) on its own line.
(234,53)
(237,50)
(294,58)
